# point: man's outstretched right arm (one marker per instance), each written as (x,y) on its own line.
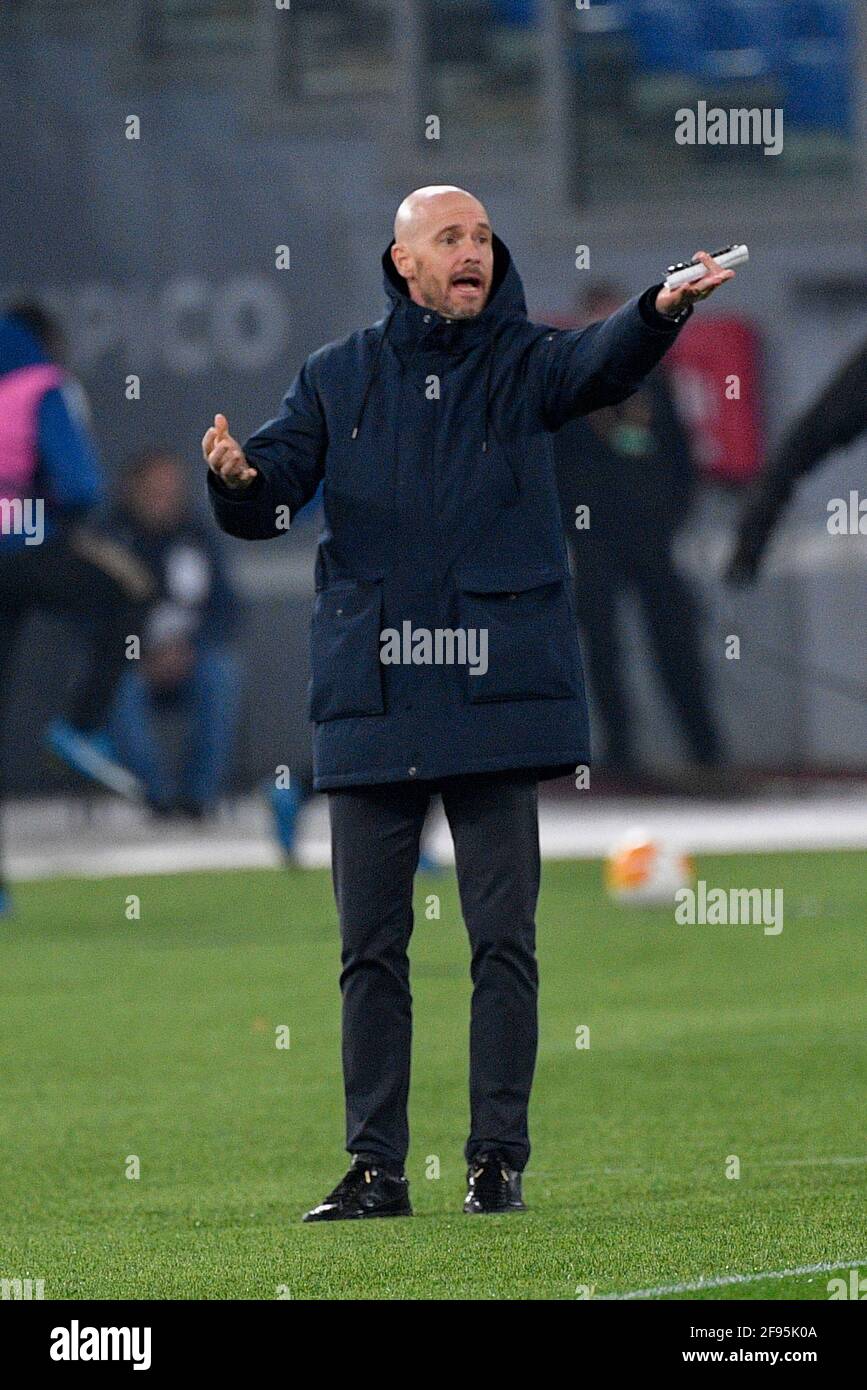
(256,489)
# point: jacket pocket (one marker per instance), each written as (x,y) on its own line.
(346,672)
(526,629)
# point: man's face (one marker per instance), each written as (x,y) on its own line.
(157,495)
(447,257)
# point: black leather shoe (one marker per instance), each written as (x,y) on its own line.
(366,1191)
(494,1186)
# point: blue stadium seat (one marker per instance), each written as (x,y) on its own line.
(517,14)
(819,19)
(738,41)
(817,62)
(665,31)
(806,44)
(818,86)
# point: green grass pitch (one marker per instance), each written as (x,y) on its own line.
(156,1038)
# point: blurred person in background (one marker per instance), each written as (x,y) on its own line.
(835,419)
(629,465)
(50,559)
(188,657)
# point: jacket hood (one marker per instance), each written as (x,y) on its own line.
(506,299)
(407,323)
(18,346)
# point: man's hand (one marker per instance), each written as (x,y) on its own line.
(224,457)
(670,302)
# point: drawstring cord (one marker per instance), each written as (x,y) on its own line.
(488,373)
(374,369)
(487,426)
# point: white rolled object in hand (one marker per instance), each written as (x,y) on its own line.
(726,259)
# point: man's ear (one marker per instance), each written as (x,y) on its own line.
(402,259)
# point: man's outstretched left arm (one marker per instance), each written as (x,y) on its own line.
(585,369)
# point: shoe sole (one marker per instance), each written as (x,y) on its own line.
(362,1216)
(496,1211)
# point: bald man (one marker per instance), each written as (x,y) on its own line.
(444,653)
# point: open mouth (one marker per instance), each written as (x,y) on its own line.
(468,281)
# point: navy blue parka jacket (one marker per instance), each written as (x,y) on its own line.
(433,442)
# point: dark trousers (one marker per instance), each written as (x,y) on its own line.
(375,833)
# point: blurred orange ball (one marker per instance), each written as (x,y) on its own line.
(646,870)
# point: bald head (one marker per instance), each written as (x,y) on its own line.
(420,206)
(443,249)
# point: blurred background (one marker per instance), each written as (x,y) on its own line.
(261,128)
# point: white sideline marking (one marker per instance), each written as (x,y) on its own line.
(721,1280)
(52,837)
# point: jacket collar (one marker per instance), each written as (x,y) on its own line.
(412,324)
